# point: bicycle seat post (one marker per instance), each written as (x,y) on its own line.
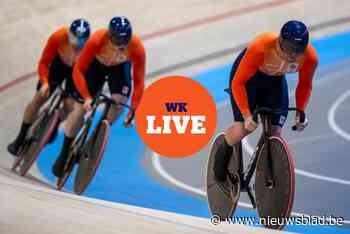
(267,128)
(108,103)
(266,123)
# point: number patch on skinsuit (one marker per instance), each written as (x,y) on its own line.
(125,90)
(282,120)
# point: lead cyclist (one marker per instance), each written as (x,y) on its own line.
(257,78)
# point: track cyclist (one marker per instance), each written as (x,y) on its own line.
(119,55)
(55,66)
(258,79)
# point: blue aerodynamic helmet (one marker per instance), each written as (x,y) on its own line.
(79,32)
(294,37)
(120,31)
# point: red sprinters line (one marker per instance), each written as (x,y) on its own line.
(219,17)
(16,81)
(182,27)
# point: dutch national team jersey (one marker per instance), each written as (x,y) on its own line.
(264,54)
(99,47)
(57,44)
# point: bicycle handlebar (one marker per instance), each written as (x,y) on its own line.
(270,111)
(102,98)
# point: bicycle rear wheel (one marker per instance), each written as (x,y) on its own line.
(219,203)
(90,157)
(275,202)
(43,129)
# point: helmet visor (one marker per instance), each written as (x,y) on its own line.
(118,40)
(291,47)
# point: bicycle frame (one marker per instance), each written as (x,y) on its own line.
(247,174)
(84,140)
(109,102)
(101,98)
(49,107)
(265,116)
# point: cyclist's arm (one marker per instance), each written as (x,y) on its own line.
(306,73)
(83,62)
(248,66)
(48,54)
(138,58)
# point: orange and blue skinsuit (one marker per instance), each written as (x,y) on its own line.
(263,64)
(55,66)
(57,60)
(99,58)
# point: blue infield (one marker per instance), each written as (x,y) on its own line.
(121,177)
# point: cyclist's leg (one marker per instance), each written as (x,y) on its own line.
(57,72)
(95,80)
(68,106)
(74,120)
(32,109)
(68,102)
(236,131)
(72,126)
(119,83)
(277,99)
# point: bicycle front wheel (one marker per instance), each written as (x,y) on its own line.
(90,157)
(275,201)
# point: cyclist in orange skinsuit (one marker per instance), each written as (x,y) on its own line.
(114,53)
(258,79)
(55,65)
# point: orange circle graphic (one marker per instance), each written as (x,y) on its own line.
(176,117)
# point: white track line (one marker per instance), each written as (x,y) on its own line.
(159,168)
(331,116)
(318,82)
(164,174)
(248,147)
(303,140)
